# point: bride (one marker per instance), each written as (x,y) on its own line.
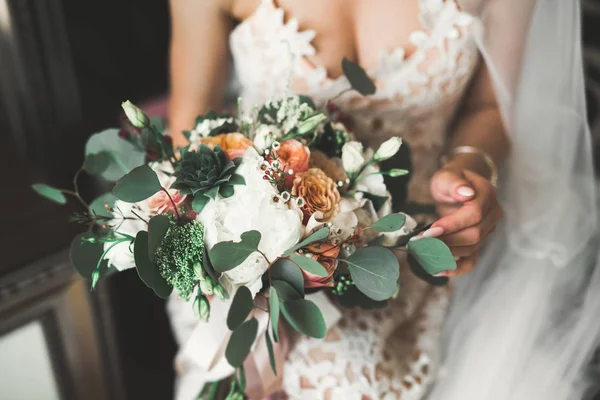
(484,83)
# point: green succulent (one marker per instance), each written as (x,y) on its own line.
(205,174)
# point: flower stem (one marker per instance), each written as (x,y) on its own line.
(172,202)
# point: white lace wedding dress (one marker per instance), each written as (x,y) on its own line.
(390,353)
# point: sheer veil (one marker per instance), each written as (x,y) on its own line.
(524,324)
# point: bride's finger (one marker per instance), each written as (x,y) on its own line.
(464,251)
(475,234)
(464,266)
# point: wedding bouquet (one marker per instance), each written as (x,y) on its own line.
(268,205)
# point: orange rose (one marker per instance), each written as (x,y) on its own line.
(326,254)
(319,193)
(233,144)
(331,166)
(293,155)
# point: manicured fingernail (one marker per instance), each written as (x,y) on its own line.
(441,274)
(434,232)
(465,191)
(456,258)
(415,238)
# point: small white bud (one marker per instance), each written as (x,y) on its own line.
(388,149)
(135,115)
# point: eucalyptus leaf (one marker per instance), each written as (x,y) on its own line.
(139,184)
(285,291)
(389,223)
(274,312)
(375,272)
(309,265)
(157,229)
(241,306)
(147,270)
(432,254)
(125,156)
(228,255)
(420,273)
(355,298)
(305,317)
(314,237)
(271,352)
(99,205)
(97,163)
(358,78)
(240,342)
(288,272)
(50,193)
(85,255)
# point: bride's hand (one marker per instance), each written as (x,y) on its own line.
(470,211)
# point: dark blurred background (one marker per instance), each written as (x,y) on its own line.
(65,68)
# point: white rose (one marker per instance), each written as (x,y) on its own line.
(352,157)
(251,208)
(128,223)
(388,149)
(265,136)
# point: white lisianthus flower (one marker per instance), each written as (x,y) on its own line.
(126,221)
(265,136)
(135,115)
(352,157)
(251,208)
(390,238)
(371,181)
(388,149)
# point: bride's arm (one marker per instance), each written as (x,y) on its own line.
(466,198)
(199,61)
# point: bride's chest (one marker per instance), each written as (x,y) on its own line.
(274,54)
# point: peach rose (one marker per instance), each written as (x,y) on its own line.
(326,254)
(234,144)
(161,204)
(293,155)
(319,193)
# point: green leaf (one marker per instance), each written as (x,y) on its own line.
(50,193)
(157,123)
(390,223)
(137,185)
(237,180)
(124,155)
(305,317)
(375,272)
(85,255)
(285,291)
(271,353)
(98,206)
(97,163)
(274,311)
(288,272)
(358,78)
(157,229)
(199,202)
(147,270)
(355,298)
(315,237)
(309,265)
(241,377)
(241,306)
(378,201)
(420,273)
(228,255)
(309,124)
(432,254)
(240,342)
